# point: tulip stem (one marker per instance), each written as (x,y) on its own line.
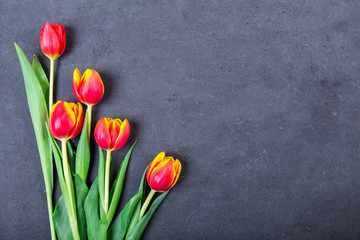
(146,203)
(50,210)
(89,108)
(107,180)
(51,90)
(67,174)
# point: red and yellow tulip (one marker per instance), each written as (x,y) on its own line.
(88,88)
(163,172)
(52,40)
(66,120)
(112,134)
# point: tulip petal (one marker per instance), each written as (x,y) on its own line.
(61,34)
(78,110)
(123,135)
(154,163)
(102,135)
(176,169)
(92,87)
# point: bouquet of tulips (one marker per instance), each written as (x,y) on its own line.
(87,212)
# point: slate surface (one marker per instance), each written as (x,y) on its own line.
(258,99)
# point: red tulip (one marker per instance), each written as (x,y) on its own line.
(163,173)
(112,134)
(88,88)
(52,40)
(66,120)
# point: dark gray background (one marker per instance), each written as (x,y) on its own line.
(260,101)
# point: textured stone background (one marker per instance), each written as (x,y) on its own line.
(258,99)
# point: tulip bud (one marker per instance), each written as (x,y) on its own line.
(66,120)
(112,134)
(52,40)
(88,88)
(163,172)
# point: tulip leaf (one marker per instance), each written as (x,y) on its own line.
(96,226)
(61,221)
(43,80)
(36,91)
(39,116)
(64,199)
(71,156)
(61,218)
(119,185)
(118,229)
(82,161)
(139,228)
(81,191)
(135,217)
(101,176)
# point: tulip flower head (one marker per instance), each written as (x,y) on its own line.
(66,120)
(163,172)
(52,40)
(112,134)
(88,88)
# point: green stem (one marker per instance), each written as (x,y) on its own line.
(89,108)
(48,188)
(67,174)
(107,180)
(146,203)
(50,210)
(51,90)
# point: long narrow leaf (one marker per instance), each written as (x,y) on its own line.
(81,191)
(96,227)
(58,213)
(135,217)
(119,185)
(61,218)
(61,221)
(43,80)
(82,161)
(141,225)
(39,116)
(71,157)
(118,229)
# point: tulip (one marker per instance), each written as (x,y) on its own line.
(52,40)
(110,134)
(52,43)
(162,174)
(88,89)
(66,120)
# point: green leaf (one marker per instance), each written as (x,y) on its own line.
(39,115)
(61,218)
(43,80)
(61,221)
(118,229)
(119,185)
(135,217)
(81,191)
(96,226)
(141,225)
(83,152)
(101,176)
(71,156)
(59,211)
